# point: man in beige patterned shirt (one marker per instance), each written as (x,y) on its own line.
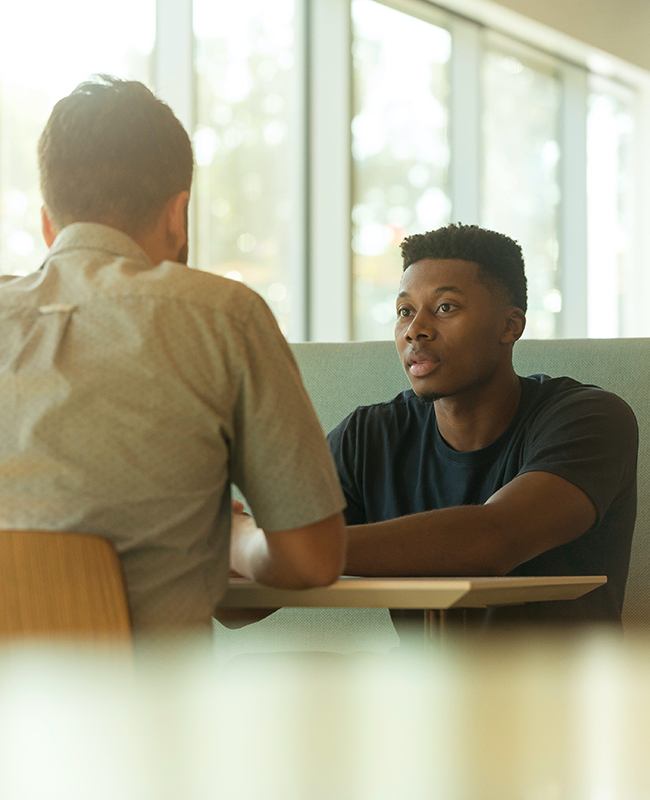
(134,390)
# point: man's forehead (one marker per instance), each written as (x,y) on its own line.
(440,273)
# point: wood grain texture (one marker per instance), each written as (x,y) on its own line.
(421,593)
(54,583)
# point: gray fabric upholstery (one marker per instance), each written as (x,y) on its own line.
(340,377)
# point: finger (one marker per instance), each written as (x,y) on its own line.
(237,507)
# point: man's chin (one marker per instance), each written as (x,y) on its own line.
(427,397)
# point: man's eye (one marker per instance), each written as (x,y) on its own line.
(403,312)
(445,307)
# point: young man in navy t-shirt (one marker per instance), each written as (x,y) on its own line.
(477,471)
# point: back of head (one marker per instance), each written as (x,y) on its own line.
(111,152)
(499,258)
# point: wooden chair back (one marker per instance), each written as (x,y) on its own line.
(60,583)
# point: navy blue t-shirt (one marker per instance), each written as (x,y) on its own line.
(392,461)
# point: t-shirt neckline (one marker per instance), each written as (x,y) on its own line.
(488,452)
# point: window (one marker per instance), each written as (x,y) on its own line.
(327,130)
(610,211)
(245,93)
(29,87)
(520,182)
(400,150)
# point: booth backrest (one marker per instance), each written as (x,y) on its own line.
(340,377)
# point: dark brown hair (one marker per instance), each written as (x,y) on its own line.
(112,152)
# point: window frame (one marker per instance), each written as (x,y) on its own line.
(321,183)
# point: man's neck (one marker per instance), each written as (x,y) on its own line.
(473,420)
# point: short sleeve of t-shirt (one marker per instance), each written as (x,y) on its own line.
(587,436)
(279,457)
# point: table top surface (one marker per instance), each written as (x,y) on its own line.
(424,593)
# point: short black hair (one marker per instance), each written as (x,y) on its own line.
(112,152)
(500,259)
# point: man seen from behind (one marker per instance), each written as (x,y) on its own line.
(136,390)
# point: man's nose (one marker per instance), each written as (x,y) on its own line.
(421,327)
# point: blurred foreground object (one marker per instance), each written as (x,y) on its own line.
(541,718)
(53,582)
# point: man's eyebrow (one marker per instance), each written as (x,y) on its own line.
(454,289)
(438,290)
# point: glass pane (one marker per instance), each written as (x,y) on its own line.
(244,86)
(521,190)
(43,56)
(400,151)
(610,128)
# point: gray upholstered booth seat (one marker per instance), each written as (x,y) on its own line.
(340,377)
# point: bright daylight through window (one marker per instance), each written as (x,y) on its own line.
(244,87)
(549,164)
(521,192)
(43,56)
(400,148)
(610,191)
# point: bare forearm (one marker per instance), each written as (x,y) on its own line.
(535,512)
(463,540)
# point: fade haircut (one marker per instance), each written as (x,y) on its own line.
(500,260)
(112,152)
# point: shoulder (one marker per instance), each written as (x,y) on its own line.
(196,286)
(569,399)
(367,420)
(568,391)
(204,292)
(403,404)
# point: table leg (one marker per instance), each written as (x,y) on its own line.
(435,626)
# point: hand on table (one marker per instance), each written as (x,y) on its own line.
(238,508)
(241,525)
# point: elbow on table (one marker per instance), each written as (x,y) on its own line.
(322,572)
(313,556)
(497,549)
(320,575)
(506,554)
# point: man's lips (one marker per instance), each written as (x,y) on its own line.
(420,366)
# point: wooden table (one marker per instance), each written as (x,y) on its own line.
(434,596)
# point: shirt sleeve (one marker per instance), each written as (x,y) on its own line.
(344,446)
(590,438)
(279,455)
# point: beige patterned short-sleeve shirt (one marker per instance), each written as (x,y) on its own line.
(131,397)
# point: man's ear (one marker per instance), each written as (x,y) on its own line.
(515,323)
(49,233)
(176,218)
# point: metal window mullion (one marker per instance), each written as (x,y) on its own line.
(465,121)
(636,320)
(299,255)
(174,53)
(330,66)
(572,216)
(173,73)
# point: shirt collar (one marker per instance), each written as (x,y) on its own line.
(95,236)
